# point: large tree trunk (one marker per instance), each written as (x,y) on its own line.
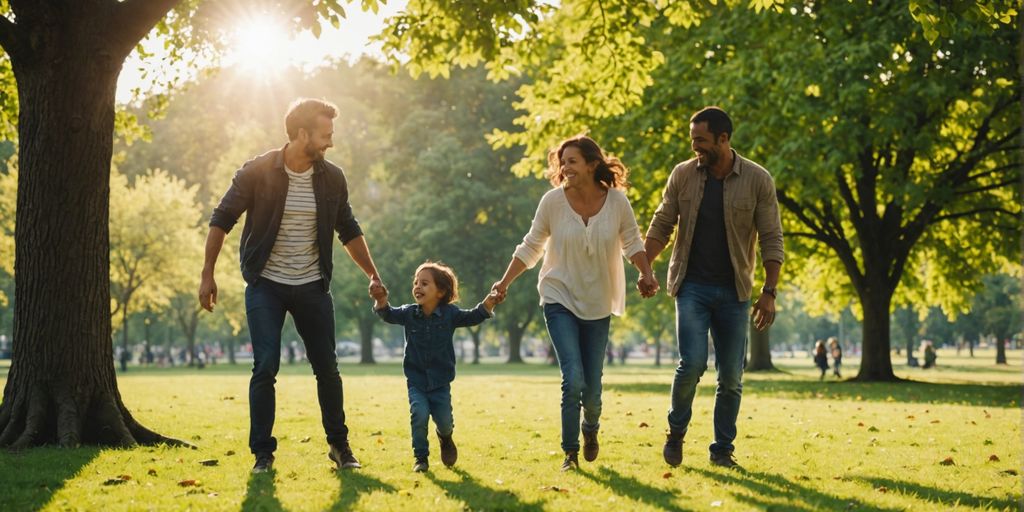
(760,354)
(515,331)
(657,351)
(475,333)
(61,386)
(876,364)
(366,325)
(1001,350)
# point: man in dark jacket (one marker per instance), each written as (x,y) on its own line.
(294,201)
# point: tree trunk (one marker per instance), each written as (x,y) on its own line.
(126,353)
(876,363)
(61,386)
(970,346)
(515,331)
(366,326)
(1001,350)
(760,353)
(657,351)
(476,344)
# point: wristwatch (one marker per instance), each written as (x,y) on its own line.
(770,290)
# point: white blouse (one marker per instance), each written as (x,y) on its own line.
(582,268)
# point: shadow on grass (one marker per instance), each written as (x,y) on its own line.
(988,395)
(632,488)
(943,497)
(353,484)
(261,493)
(32,477)
(475,496)
(791,495)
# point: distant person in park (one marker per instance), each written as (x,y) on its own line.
(582,229)
(837,356)
(719,205)
(928,354)
(294,200)
(821,358)
(429,361)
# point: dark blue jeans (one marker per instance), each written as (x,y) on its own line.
(312,310)
(424,405)
(700,307)
(580,347)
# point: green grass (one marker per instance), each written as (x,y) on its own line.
(804,444)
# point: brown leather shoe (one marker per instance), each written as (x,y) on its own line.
(673,451)
(449,453)
(590,446)
(342,455)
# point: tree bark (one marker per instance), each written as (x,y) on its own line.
(515,331)
(475,333)
(876,365)
(366,325)
(760,353)
(1000,350)
(62,386)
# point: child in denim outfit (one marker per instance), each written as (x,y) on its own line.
(429,354)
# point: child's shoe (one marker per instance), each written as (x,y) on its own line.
(449,453)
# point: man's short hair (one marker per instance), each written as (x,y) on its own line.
(716,118)
(303,113)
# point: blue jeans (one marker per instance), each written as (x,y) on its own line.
(312,310)
(580,347)
(700,307)
(426,404)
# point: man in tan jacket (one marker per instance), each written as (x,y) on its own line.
(719,204)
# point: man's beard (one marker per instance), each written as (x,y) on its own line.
(709,160)
(313,153)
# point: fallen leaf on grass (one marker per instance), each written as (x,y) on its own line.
(209,462)
(948,461)
(151,472)
(227,398)
(993,458)
(629,413)
(935,421)
(380,440)
(554,488)
(120,479)
(668,474)
(860,423)
(872,429)
(1011,472)
(377,433)
(643,425)
(305,439)
(189,483)
(717,503)
(229,453)
(882,489)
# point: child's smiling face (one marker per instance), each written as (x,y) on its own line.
(425,290)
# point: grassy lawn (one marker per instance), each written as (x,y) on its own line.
(804,444)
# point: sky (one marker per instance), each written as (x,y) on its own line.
(259,45)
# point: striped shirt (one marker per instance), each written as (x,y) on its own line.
(294,259)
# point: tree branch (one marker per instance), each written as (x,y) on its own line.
(988,187)
(940,218)
(12,39)
(133,19)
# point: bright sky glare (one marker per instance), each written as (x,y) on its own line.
(262,44)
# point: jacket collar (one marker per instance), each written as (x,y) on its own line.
(318,165)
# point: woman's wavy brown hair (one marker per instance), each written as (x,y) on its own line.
(610,172)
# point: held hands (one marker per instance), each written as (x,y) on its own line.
(498,290)
(493,299)
(763,313)
(647,285)
(378,292)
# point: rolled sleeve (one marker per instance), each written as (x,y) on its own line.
(667,215)
(769,223)
(531,250)
(629,231)
(235,202)
(345,223)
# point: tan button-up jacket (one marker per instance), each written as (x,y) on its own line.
(751,214)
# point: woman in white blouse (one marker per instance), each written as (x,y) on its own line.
(581,228)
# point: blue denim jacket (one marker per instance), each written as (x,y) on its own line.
(429,353)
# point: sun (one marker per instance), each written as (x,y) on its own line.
(260,43)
